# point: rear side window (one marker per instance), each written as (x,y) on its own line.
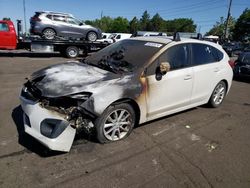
(59,18)
(204,54)
(4,27)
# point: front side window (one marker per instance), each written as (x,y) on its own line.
(177,56)
(4,27)
(204,54)
(74,21)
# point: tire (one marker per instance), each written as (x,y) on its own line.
(72,52)
(91,36)
(49,34)
(116,123)
(218,95)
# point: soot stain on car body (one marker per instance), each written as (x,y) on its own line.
(62,86)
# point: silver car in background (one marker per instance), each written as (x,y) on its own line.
(51,24)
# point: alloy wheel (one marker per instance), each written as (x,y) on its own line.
(117,124)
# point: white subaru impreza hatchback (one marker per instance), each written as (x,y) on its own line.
(127,83)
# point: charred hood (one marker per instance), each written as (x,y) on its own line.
(69,78)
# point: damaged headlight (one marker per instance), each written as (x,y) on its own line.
(82,96)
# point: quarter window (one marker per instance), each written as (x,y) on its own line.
(204,54)
(49,16)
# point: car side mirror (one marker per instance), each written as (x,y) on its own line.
(162,70)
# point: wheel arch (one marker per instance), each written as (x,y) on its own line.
(226,82)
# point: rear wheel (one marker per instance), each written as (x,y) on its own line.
(91,36)
(218,95)
(49,34)
(72,52)
(116,123)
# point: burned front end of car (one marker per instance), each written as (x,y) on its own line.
(54,121)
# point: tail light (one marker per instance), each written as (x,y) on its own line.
(231,63)
(36,19)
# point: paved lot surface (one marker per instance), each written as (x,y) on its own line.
(201,147)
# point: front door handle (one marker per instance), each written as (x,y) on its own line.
(187,77)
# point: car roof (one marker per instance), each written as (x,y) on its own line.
(56,13)
(163,40)
(166,40)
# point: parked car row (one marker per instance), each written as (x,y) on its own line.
(233,48)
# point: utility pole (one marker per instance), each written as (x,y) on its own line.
(101,20)
(227,21)
(24,13)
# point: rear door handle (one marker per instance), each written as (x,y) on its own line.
(187,77)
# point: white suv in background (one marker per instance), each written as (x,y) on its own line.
(114,37)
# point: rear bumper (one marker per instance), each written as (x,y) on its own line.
(49,128)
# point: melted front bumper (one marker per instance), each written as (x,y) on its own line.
(48,127)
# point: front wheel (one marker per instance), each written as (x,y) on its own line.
(218,95)
(116,123)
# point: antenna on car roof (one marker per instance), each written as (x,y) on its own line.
(199,36)
(177,37)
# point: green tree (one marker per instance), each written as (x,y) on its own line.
(157,23)
(242,26)
(105,23)
(7,19)
(120,25)
(180,25)
(134,25)
(145,21)
(218,28)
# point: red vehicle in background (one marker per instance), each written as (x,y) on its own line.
(10,40)
(8,37)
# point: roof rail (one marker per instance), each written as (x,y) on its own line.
(177,37)
(62,13)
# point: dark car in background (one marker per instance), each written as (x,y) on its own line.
(247,49)
(242,65)
(51,24)
(233,48)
